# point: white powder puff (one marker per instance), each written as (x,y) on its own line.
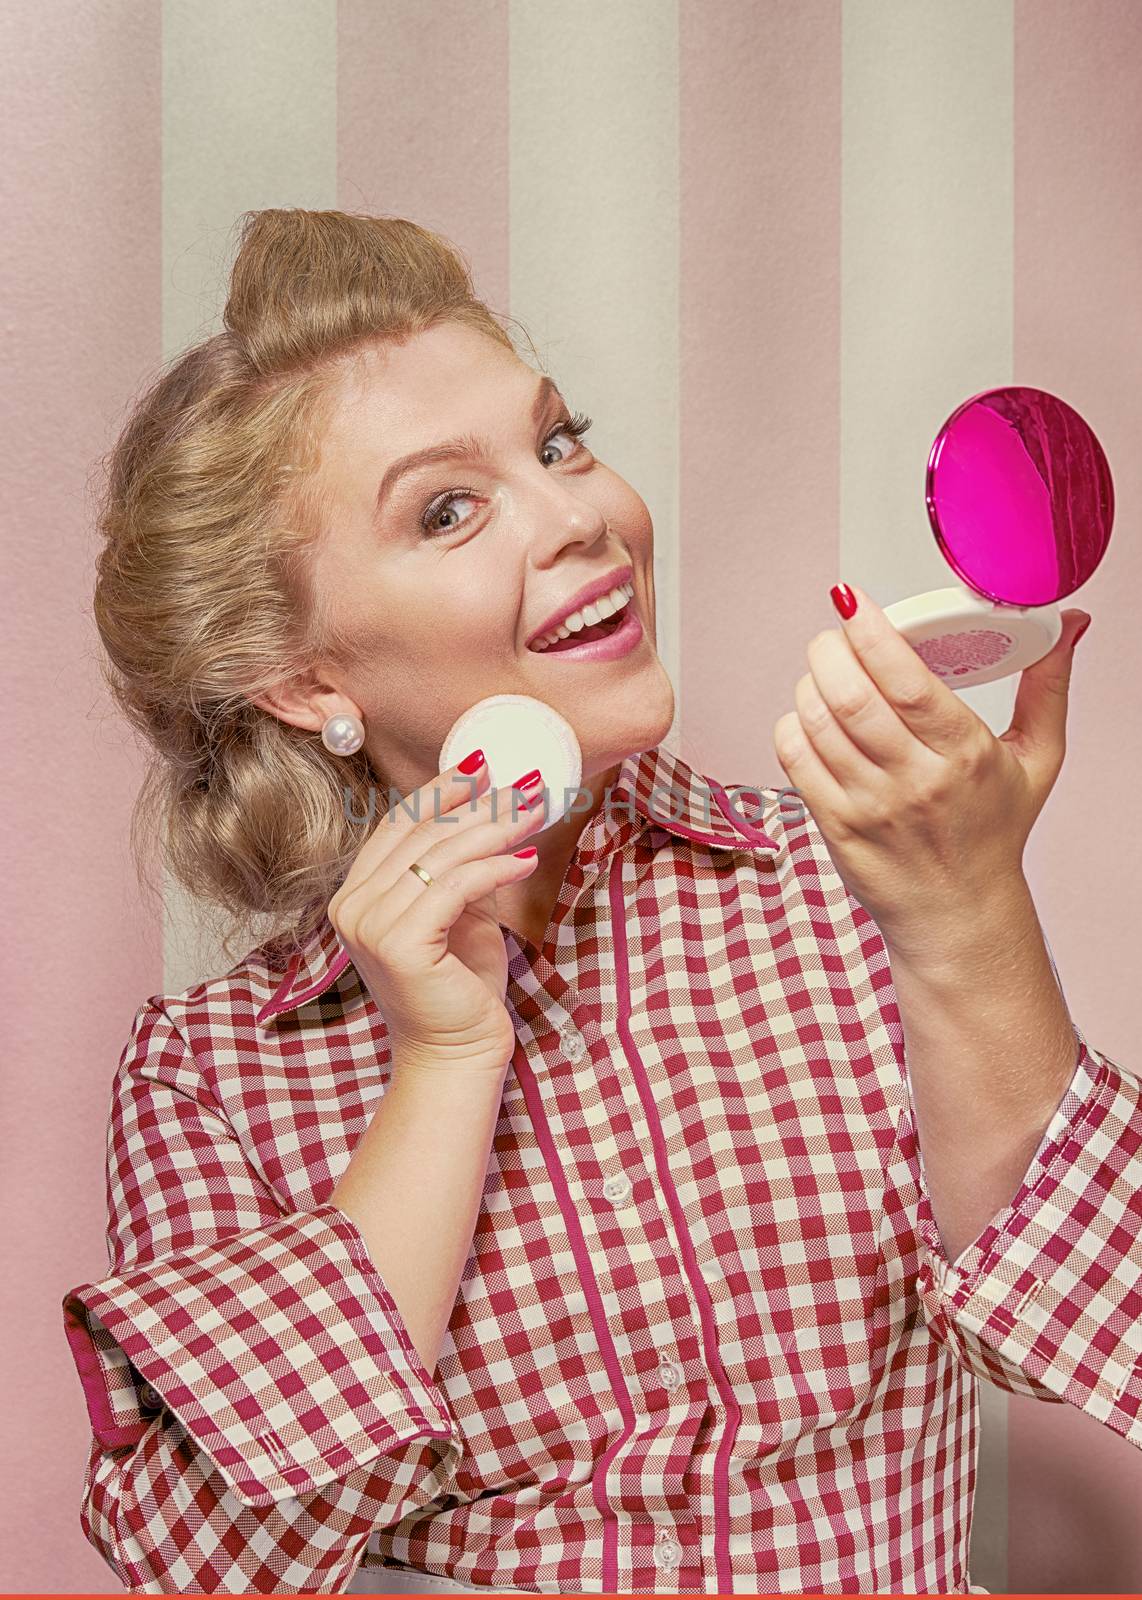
(518,733)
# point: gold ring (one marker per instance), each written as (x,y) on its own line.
(421,874)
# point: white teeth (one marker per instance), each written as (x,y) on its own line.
(598,611)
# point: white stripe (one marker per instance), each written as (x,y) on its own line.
(926,321)
(249,120)
(927,270)
(594,242)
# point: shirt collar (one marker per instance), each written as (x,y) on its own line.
(654,788)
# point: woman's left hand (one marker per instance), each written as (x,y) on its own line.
(924,810)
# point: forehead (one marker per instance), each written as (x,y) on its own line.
(389,400)
(443,380)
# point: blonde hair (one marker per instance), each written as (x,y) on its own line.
(202,597)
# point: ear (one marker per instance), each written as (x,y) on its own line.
(305,705)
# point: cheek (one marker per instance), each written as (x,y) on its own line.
(628,514)
(477,617)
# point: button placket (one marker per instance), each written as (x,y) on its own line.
(669,1372)
(667,1551)
(571,1042)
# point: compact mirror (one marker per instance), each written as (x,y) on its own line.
(1021,502)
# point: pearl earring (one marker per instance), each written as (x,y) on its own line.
(343,733)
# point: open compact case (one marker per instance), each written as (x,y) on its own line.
(1021,502)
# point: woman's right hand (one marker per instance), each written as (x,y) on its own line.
(433,956)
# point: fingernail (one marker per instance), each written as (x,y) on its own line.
(1081,631)
(523,854)
(472,763)
(527,780)
(844,599)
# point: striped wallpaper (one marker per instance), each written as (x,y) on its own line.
(768,245)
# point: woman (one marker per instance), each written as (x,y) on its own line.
(544,1210)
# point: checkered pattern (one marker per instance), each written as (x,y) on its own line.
(705,1339)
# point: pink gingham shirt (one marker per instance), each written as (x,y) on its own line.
(705,1339)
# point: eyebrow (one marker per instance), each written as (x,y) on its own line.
(465,447)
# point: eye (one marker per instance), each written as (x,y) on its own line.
(575,426)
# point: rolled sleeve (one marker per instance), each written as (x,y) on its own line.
(257,1406)
(279,1350)
(1047,1300)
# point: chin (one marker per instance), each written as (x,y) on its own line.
(655,703)
(635,733)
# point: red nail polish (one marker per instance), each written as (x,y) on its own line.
(1081,631)
(527,780)
(472,763)
(844,599)
(523,854)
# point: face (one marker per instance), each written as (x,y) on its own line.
(441,581)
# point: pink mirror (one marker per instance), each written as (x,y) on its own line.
(1021,502)
(1020,496)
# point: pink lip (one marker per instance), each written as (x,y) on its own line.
(591,592)
(620,643)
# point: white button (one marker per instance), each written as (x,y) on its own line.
(574,1046)
(670,1372)
(618,1189)
(667,1550)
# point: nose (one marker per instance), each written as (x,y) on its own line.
(561,516)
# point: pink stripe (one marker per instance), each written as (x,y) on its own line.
(282,1000)
(1074,1491)
(759,312)
(272,1005)
(400,154)
(81,283)
(111,1434)
(598,1311)
(685,1243)
(747,829)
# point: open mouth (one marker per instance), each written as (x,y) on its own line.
(597,630)
(588,632)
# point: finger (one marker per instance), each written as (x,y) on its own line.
(498,806)
(443,796)
(931,711)
(394,888)
(806,771)
(854,772)
(1039,715)
(855,704)
(428,920)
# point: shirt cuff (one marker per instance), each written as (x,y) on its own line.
(1051,1290)
(279,1349)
